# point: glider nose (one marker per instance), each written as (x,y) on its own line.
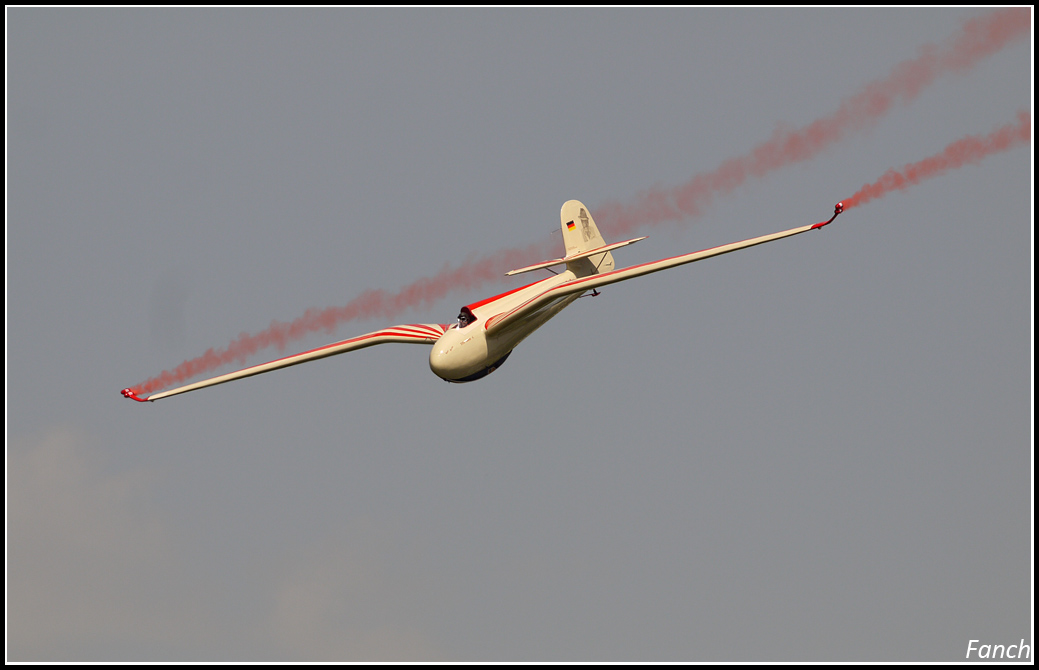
(458,353)
(438,362)
(443,359)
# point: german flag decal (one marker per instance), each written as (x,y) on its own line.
(570,225)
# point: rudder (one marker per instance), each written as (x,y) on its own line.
(581,234)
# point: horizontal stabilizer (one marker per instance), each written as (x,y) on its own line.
(574,257)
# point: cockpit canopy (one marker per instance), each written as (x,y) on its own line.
(465,317)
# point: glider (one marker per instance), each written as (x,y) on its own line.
(487,331)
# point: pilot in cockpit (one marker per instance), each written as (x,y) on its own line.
(465,317)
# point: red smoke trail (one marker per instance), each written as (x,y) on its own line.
(970,149)
(979,38)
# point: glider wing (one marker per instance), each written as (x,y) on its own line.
(416,333)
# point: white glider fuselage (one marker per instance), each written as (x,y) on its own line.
(469,352)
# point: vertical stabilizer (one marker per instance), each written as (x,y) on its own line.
(580,234)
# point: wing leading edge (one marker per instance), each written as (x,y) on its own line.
(581,284)
(415,333)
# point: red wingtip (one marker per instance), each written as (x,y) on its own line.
(129,393)
(837,209)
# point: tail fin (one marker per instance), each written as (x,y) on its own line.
(580,234)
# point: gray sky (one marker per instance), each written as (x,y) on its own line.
(818,449)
